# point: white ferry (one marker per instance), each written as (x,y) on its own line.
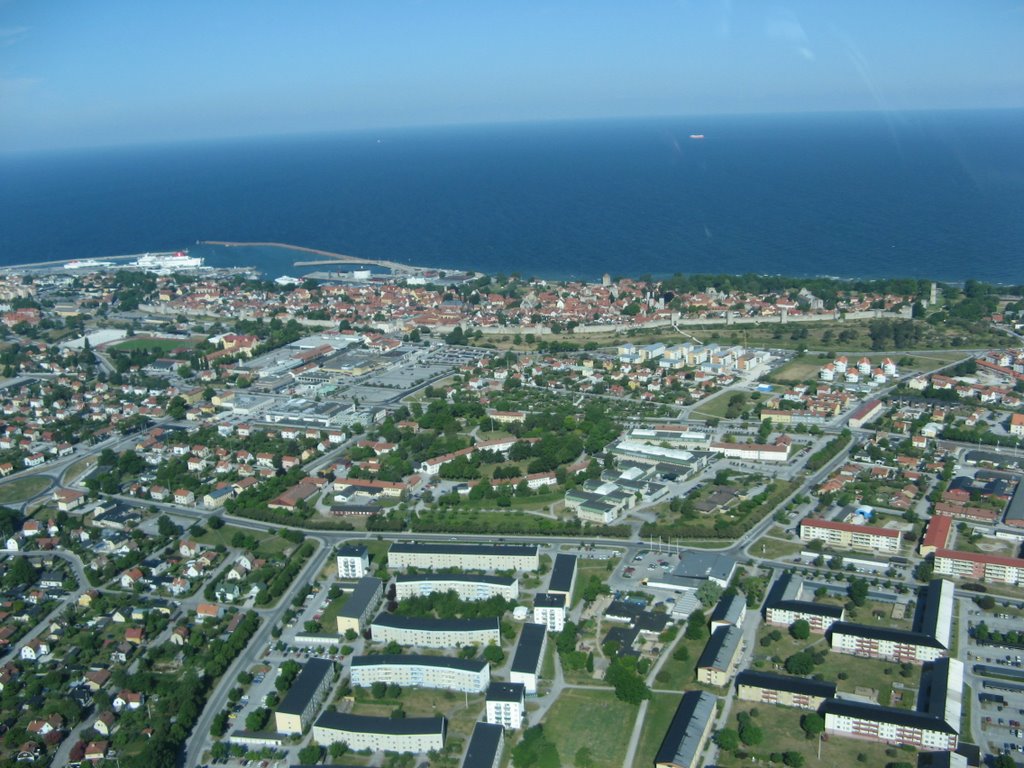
(166,263)
(88,264)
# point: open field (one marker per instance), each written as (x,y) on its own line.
(269,544)
(585,569)
(21,489)
(715,407)
(592,719)
(660,710)
(146,343)
(78,469)
(678,675)
(799,369)
(775,549)
(781,726)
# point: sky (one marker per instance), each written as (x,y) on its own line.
(112,72)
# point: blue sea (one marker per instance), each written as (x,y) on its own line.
(937,195)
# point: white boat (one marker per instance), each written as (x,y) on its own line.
(166,263)
(88,264)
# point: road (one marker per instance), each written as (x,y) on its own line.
(218,699)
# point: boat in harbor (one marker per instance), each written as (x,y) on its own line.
(167,263)
(696,135)
(88,264)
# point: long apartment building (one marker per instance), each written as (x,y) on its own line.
(687,735)
(367,595)
(408,734)
(416,671)
(716,664)
(485,746)
(563,576)
(435,633)
(928,641)
(786,690)
(527,659)
(980,567)
(468,557)
(785,604)
(850,536)
(935,727)
(468,586)
(308,691)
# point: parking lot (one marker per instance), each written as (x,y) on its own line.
(996,674)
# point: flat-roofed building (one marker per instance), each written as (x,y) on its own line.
(687,735)
(729,612)
(786,690)
(716,664)
(549,610)
(929,641)
(407,734)
(506,704)
(890,725)
(483,557)
(850,536)
(353,561)
(563,576)
(981,567)
(435,633)
(305,697)
(416,671)
(785,604)
(899,645)
(468,586)
(485,746)
(360,605)
(529,652)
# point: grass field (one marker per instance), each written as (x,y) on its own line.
(269,544)
(660,710)
(715,407)
(164,345)
(585,569)
(76,470)
(23,488)
(775,549)
(799,369)
(592,719)
(679,675)
(781,726)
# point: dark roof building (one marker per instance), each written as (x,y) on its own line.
(563,575)
(800,685)
(687,734)
(485,745)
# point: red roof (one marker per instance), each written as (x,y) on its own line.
(973,557)
(852,528)
(937,533)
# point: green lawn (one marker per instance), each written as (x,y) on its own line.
(592,719)
(79,468)
(781,726)
(800,369)
(330,615)
(660,710)
(679,675)
(269,544)
(164,345)
(23,488)
(715,407)
(378,551)
(585,569)
(462,711)
(775,549)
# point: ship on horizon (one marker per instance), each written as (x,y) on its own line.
(696,135)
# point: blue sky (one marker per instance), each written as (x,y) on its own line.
(136,71)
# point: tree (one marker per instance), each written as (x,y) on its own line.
(750,734)
(166,527)
(337,749)
(695,626)
(793,759)
(256,719)
(1004,761)
(727,739)
(310,754)
(708,593)
(584,758)
(858,591)
(813,724)
(494,654)
(535,750)
(800,629)
(379,689)
(801,663)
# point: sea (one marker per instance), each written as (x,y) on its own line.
(853,195)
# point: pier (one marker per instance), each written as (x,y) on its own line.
(329,258)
